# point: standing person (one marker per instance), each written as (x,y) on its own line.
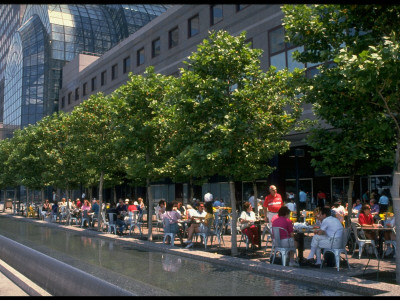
(302,199)
(247,219)
(365,197)
(383,203)
(321,199)
(272,203)
(251,200)
(208,197)
(323,236)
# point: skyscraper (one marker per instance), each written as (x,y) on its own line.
(51,35)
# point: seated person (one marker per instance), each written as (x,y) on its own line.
(205,218)
(173,216)
(374,209)
(247,219)
(160,208)
(287,239)
(330,226)
(291,205)
(339,211)
(54,208)
(181,208)
(46,208)
(357,207)
(131,206)
(190,211)
(365,219)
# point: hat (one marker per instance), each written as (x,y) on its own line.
(126,200)
(135,203)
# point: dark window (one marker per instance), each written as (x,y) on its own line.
(173,37)
(94,83)
(194,26)
(140,57)
(84,89)
(62,102)
(127,64)
(114,71)
(69,98)
(155,47)
(103,78)
(216,14)
(76,94)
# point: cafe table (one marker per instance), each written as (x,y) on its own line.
(380,232)
(300,229)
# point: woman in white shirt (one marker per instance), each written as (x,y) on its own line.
(247,219)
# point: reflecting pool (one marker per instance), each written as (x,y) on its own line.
(150,272)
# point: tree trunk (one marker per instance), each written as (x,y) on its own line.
(255,197)
(395,193)
(149,210)
(115,194)
(234,251)
(99,219)
(15,199)
(350,198)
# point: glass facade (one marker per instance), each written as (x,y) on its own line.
(52,35)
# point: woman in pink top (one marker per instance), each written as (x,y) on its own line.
(86,205)
(287,237)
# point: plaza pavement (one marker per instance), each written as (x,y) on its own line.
(352,280)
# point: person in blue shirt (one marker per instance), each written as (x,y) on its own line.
(383,203)
(217,203)
(302,199)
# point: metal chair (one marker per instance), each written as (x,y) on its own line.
(73,218)
(85,217)
(338,251)
(278,247)
(132,218)
(389,242)
(112,222)
(167,231)
(209,232)
(138,223)
(361,240)
(266,232)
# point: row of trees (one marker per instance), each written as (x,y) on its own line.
(223,115)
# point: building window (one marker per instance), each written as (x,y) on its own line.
(114,71)
(103,78)
(62,102)
(173,37)
(94,83)
(281,53)
(69,98)
(241,6)
(140,57)
(155,48)
(193,26)
(216,14)
(76,94)
(84,89)
(127,64)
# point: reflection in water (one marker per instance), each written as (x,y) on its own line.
(135,269)
(171,263)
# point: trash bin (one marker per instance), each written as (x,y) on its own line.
(7,204)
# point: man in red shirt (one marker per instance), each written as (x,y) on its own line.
(272,203)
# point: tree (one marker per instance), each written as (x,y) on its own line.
(92,127)
(144,129)
(362,42)
(231,116)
